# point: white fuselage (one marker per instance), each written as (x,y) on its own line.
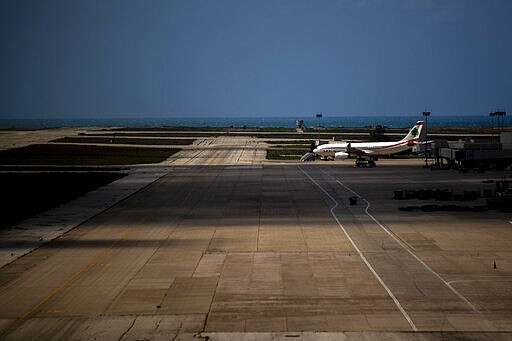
(343,150)
(368,148)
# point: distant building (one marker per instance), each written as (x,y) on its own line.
(473,154)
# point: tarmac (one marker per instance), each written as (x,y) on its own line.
(39,230)
(226,245)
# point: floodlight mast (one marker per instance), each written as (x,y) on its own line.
(426,114)
(501,117)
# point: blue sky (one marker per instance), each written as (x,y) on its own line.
(101,58)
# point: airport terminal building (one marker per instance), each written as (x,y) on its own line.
(483,153)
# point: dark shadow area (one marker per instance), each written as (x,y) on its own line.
(28,194)
(36,168)
(230,196)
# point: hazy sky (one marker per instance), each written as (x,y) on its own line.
(101,58)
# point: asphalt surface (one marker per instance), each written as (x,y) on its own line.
(231,247)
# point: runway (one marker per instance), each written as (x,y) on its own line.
(247,246)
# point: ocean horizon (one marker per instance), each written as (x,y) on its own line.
(394,121)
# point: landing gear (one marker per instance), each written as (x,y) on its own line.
(366,161)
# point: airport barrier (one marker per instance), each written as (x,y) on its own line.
(499,198)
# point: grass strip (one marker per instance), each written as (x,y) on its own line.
(123,140)
(53,154)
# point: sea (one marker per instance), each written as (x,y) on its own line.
(287,122)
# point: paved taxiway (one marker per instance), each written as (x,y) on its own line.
(256,247)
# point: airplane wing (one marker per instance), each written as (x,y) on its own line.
(361,151)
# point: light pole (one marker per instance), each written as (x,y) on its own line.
(501,117)
(319,116)
(426,114)
(492,114)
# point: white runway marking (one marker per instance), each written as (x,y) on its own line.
(390,293)
(407,248)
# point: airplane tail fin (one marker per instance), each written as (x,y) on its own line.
(414,133)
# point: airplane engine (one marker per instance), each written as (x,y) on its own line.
(341,155)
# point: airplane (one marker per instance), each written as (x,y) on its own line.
(343,150)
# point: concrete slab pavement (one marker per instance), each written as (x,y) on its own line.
(34,232)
